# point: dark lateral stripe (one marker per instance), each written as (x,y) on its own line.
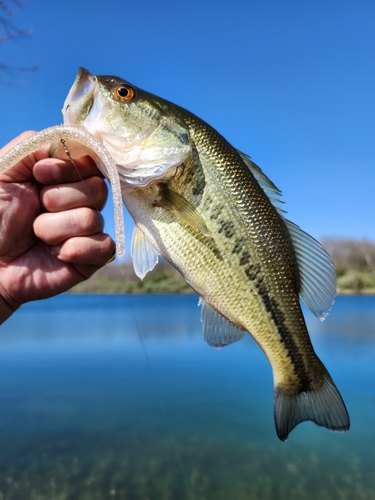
(227,228)
(285,336)
(254,274)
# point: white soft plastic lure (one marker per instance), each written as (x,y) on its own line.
(75,136)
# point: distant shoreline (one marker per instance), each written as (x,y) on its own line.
(354,261)
(192,292)
(354,292)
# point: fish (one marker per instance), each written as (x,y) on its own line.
(209,210)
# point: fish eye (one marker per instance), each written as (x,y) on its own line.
(124,92)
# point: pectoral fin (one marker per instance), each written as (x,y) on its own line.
(183,210)
(144,257)
(217,330)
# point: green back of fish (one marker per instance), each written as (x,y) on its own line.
(210,218)
(245,267)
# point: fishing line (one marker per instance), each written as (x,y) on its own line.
(162,407)
(89,192)
(67,152)
(158,392)
(155,383)
(85,185)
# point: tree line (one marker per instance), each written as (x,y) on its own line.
(355,264)
(354,261)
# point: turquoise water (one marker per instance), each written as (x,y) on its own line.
(118,397)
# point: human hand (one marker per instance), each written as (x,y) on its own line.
(50,229)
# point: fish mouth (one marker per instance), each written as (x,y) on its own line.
(80,98)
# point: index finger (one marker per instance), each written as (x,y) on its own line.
(16,141)
(22,170)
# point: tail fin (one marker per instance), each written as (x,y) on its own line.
(323,406)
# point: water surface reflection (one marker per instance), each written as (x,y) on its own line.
(119,397)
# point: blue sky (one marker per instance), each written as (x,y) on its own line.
(289,82)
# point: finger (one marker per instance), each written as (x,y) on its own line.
(86,251)
(91,192)
(55,171)
(16,140)
(54,228)
(22,171)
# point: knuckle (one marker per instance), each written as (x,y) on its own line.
(99,191)
(93,220)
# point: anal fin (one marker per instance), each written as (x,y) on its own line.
(217,330)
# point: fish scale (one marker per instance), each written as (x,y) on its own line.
(203,206)
(190,257)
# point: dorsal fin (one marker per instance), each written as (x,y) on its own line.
(217,330)
(271,190)
(317,271)
(144,257)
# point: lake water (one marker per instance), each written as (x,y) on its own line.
(118,397)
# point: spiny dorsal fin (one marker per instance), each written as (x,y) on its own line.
(144,257)
(317,271)
(217,330)
(183,210)
(272,191)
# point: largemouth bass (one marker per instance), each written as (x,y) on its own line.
(213,214)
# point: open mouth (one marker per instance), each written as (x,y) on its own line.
(80,99)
